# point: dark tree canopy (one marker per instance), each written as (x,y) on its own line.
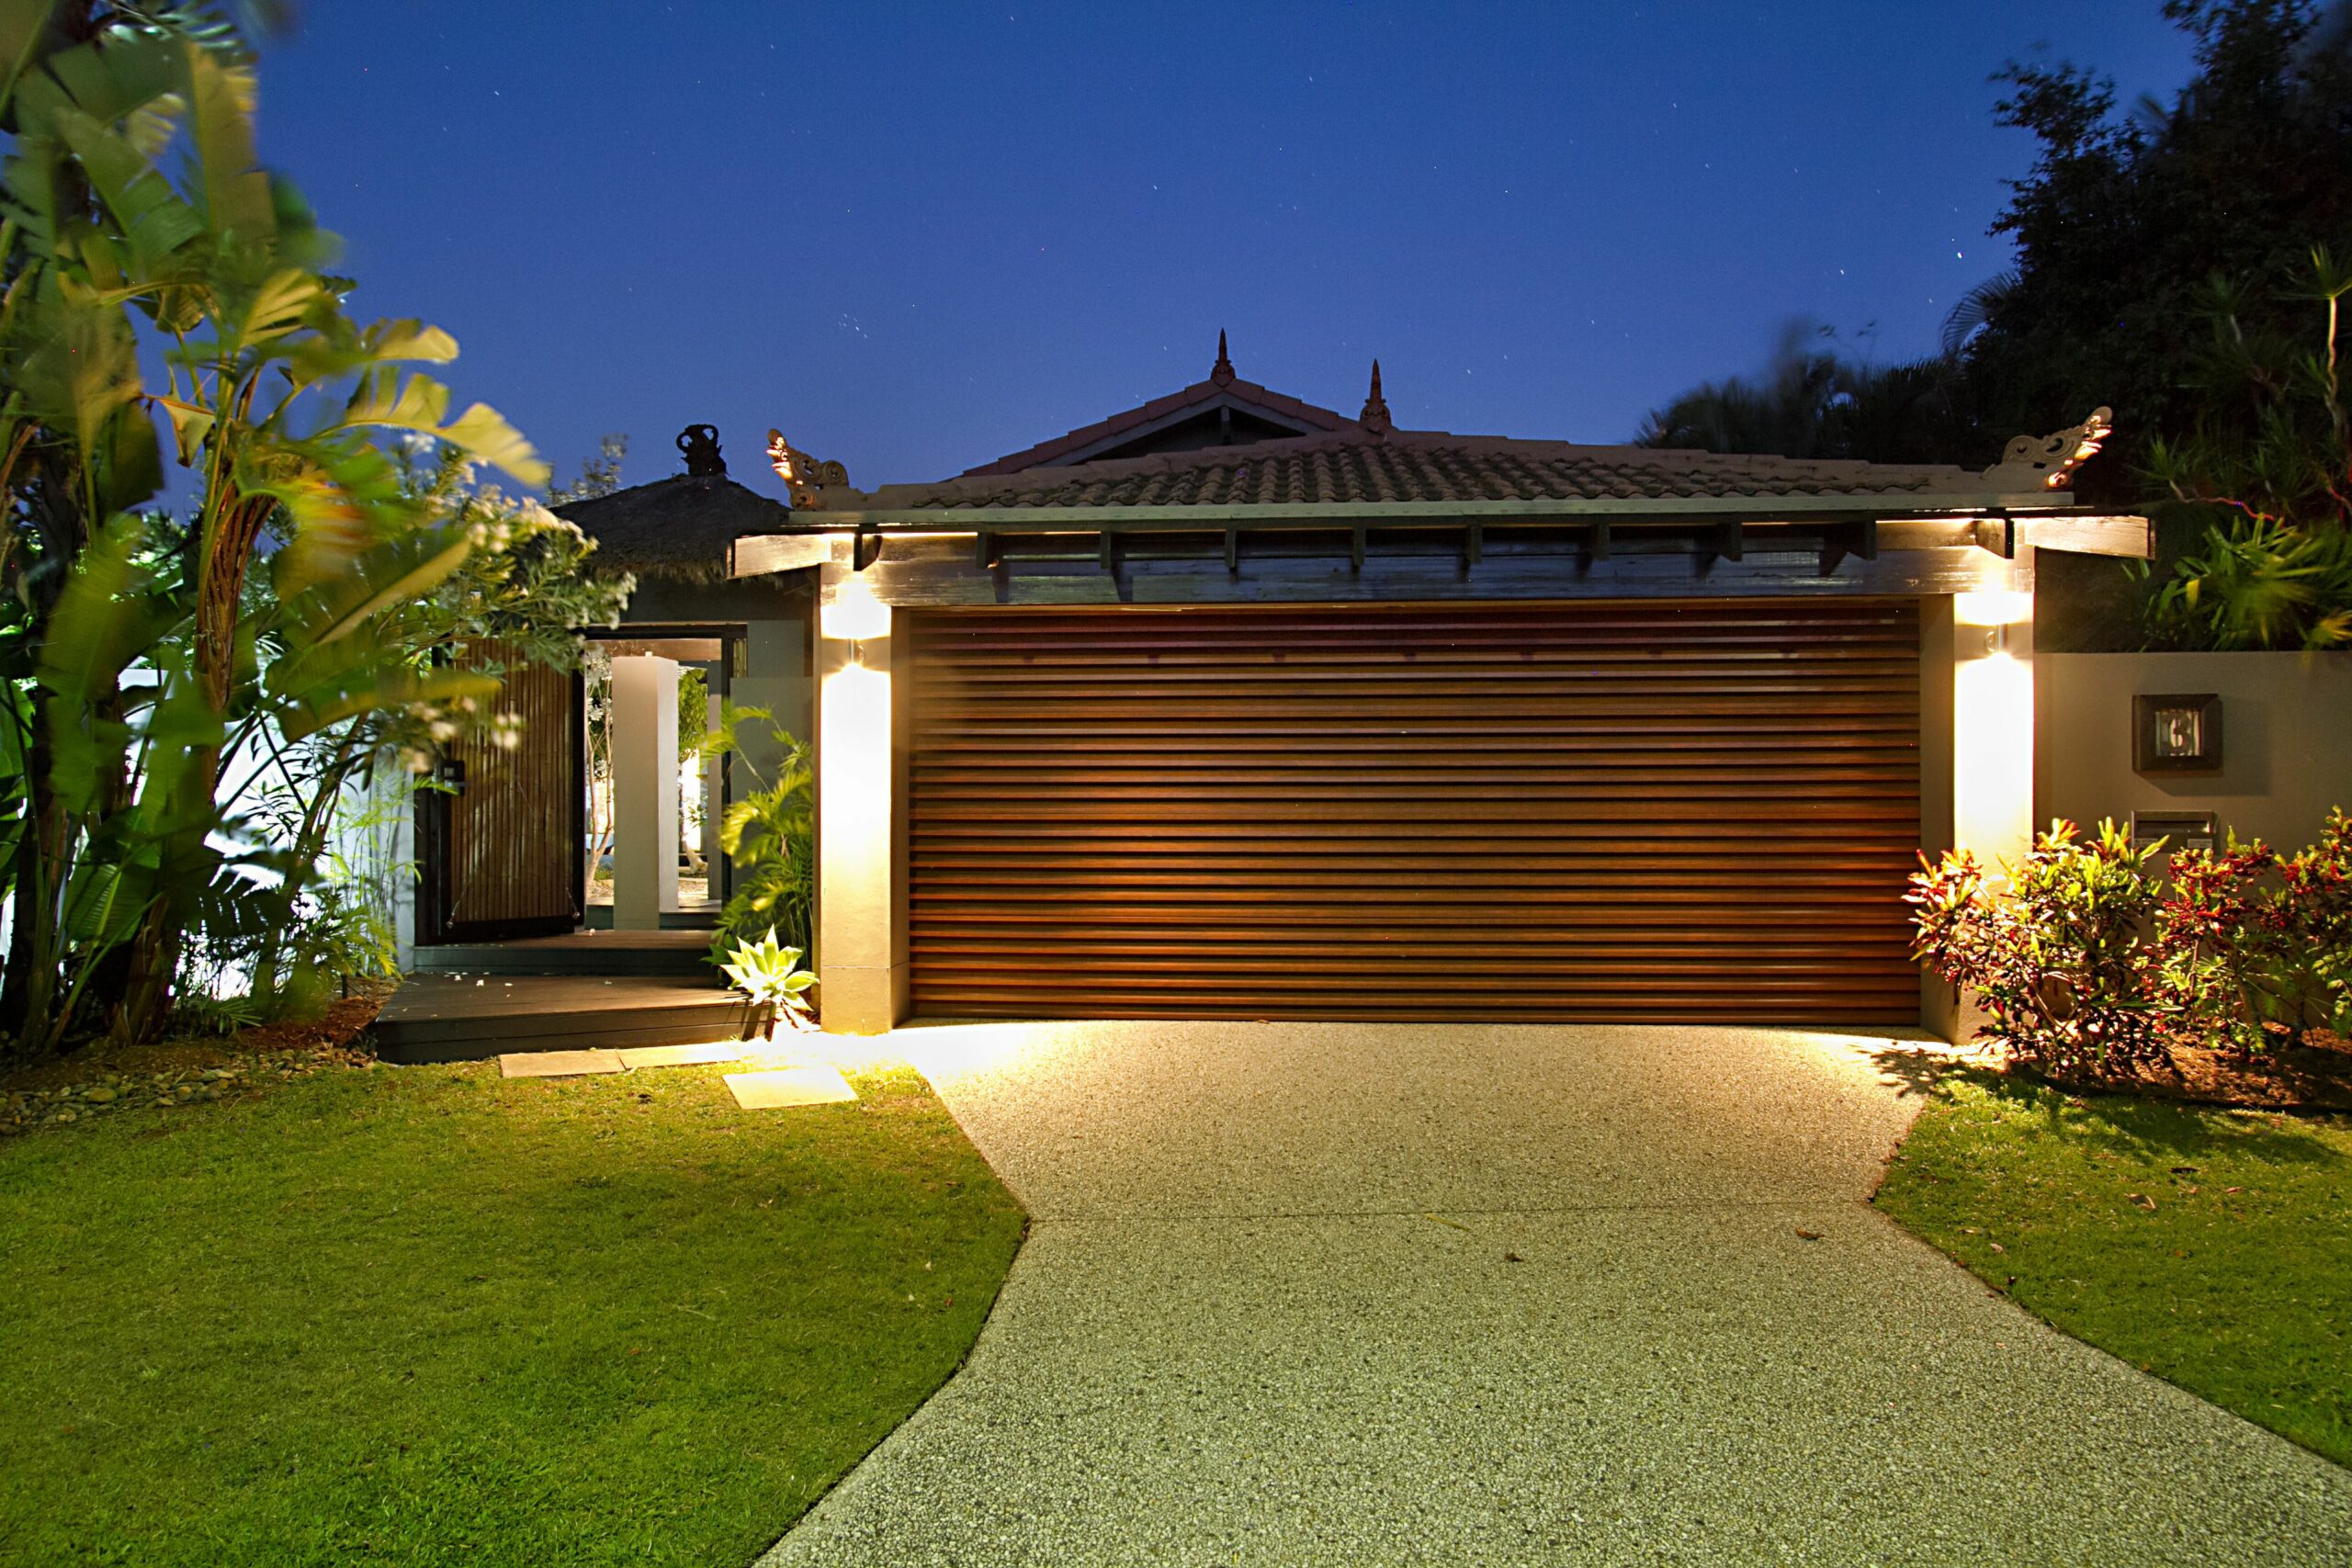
(2122,224)
(2125,221)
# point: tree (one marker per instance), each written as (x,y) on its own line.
(1814,402)
(2121,225)
(133,649)
(2124,220)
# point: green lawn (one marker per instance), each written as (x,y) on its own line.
(2211,1247)
(424,1315)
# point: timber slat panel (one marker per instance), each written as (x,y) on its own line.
(1666,811)
(511,855)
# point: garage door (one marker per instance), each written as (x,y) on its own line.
(1665,811)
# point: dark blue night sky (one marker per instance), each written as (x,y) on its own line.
(917,237)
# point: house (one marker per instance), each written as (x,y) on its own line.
(1235,705)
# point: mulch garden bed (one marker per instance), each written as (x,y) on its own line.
(100,1079)
(2299,1078)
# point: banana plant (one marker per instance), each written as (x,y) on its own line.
(273,396)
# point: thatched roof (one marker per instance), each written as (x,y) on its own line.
(678,527)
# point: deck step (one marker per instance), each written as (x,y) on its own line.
(459,1018)
(683,954)
(599,916)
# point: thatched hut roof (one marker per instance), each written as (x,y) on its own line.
(677,527)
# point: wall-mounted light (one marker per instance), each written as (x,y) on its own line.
(852,612)
(2176,733)
(1995,610)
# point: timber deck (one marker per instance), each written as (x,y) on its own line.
(465,1018)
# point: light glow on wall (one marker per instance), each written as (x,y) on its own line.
(853,614)
(1992,754)
(855,898)
(1992,607)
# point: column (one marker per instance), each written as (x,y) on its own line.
(861,858)
(1977,784)
(645,791)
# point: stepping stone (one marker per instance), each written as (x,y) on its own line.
(558,1063)
(789,1087)
(637,1056)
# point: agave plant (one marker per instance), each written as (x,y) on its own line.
(770,976)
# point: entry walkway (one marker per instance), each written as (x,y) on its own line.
(1333,1293)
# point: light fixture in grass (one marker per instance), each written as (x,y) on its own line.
(778,987)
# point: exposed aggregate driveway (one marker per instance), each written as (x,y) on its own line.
(1405,1293)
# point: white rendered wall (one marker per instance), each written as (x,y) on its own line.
(645,791)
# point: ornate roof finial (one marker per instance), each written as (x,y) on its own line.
(1222,372)
(2047,462)
(807,477)
(700,444)
(1375,418)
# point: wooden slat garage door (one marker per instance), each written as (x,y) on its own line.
(1663,811)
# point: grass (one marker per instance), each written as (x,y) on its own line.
(431,1316)
(2211,1247)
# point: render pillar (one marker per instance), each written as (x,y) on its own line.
(1977,784)
(861,821)
(645,791)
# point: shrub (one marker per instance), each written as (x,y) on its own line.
(2257,946)
(2055,951)
(2088,962)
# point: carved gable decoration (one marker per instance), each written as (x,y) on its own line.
(2046,462)
(808,478)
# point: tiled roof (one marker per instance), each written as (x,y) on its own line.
(1417,466)
(1199,394)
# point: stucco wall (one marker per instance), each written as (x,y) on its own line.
(2285,734)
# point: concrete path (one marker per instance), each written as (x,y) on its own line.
(1335,1293)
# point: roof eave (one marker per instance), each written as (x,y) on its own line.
(2004,522)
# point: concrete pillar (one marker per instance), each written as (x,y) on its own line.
(1976,782)
(861,823)
(713,808)
(645,791)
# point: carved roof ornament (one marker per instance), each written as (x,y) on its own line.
(1222,371)
(807,477)
(700,444)
(1375,418)
(2046,462)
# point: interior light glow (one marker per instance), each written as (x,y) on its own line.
(852,612)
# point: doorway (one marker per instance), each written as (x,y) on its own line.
(653,793)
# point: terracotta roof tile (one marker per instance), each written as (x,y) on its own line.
(1414,465)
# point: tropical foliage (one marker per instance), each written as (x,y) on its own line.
(770,838)
(2268,457)
(290,606)
(2087,959)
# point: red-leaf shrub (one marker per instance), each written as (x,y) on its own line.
(2053,949)
(2087,961)
(2257,946)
